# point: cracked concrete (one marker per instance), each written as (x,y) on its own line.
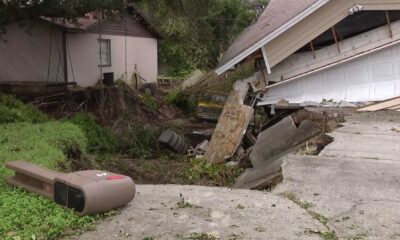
(351,190)
(221,212)
(355,181)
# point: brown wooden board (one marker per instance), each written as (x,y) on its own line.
(231,127)
(381,105)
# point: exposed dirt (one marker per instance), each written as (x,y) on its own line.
(111,105)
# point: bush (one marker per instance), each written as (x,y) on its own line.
(219,174)
(140,141)
(99,139)
(25,215)
(13,110)
(183,101)
(150,102)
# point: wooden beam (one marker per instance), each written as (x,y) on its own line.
(267,65)
(336,39)
(389,24)
(65,53)
(313,50)
(381,105)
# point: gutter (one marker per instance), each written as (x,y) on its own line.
(271,36)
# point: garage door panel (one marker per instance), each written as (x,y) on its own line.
(356,92)
(384,90)
(383,72)
(369,78)
(356,74)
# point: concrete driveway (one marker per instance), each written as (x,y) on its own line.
(350,191)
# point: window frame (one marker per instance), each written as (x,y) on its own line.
(108,41)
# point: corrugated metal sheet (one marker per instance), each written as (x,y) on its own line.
(32,53)
(277,13)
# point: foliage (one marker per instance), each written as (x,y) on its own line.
(140,141)
(220,174)
(150,102)
(25,215)
(196,33)
(183,101)
(99,139)
(24,10)
(226,84)
(13,110)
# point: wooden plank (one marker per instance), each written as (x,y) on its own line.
(381,105)
(231,127)
(397,107)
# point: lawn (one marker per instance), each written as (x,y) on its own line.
(26,134)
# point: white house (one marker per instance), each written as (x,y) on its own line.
(60,51)
(324,49)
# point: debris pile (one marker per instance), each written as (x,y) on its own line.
(258,137)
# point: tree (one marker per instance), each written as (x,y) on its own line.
(196,32)
(24,10)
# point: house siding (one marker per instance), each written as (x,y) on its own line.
(121,26)
(126,53)
(25,53)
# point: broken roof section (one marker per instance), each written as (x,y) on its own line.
(90,21)
(278,16)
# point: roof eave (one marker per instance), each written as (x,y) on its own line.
(258,45)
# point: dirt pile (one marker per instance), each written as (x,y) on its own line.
(111,105)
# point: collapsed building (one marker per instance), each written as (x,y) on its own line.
(316,50)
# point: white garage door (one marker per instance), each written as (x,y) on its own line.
(373,77)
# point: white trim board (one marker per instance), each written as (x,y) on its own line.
(271,36)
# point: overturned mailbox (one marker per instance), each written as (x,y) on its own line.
(86,192)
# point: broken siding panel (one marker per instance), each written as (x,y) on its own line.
(373,77)
(25,54)
(308,29)
(301,63)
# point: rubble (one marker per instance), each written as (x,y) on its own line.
(272,144)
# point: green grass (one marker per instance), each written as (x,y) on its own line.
(25,215)
(99,139)
(13,110)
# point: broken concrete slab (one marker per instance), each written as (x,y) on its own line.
(356,195)
(280,139)
(231,126)
(272,144)
(159,212)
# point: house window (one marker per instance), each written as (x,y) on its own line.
(104,52)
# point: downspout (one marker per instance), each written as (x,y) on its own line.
(64,44)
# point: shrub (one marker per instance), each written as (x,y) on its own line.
(13,110)
(99,139)
(183,101)
(150,102)
(218,174)
(140,141)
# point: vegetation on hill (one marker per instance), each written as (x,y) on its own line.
(25,135)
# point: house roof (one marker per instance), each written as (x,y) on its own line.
(90,20)
(277,17)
